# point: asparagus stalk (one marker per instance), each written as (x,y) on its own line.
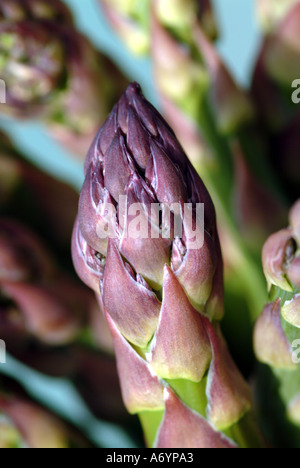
(277,336)
(47,318)
(131,19)
(272,89)
(162,297)
(54,73)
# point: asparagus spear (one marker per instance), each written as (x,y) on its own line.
(162,295)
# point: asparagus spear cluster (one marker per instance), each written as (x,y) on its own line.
(162,297)
(44,317)
(136,243)
(53,72)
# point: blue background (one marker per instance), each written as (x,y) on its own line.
(239,44)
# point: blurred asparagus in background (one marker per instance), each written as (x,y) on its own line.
(54,73)
(276,70)
(245,145)
(129,18)
(277,337)
(196,83)
(25,424)
(198,90)
(271,12)
(29,279)
(162,295)
(48,319)
(132,21)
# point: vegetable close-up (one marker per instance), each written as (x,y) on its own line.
(149,226)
